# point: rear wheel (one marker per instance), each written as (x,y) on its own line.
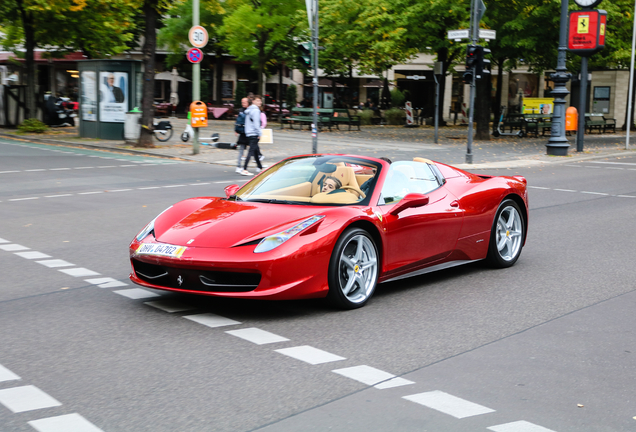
(163,135)
(495,133)
(506,237)
(353,269)
(521,134)
(185,137)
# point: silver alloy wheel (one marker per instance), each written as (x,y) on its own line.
(509,233)
(358,269)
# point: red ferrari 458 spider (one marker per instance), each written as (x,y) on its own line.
(332,226)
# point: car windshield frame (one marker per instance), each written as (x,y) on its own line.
(299,180)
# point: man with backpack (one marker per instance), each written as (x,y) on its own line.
(239,129)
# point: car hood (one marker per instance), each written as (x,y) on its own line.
(220,223)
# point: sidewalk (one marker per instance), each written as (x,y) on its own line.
(395,142)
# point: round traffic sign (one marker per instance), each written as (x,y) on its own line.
(194,55)
(198,36)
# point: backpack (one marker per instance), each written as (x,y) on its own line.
(239,126)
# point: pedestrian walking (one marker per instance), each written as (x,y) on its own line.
(239,129)
(253,133)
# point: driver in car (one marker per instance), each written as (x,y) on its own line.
(330,184)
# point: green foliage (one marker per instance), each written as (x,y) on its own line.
(366,117)
(395,116)
(263,31)
(397,97)
(291,96)
(240,93)
(32,125)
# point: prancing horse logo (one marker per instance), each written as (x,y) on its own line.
(179,280)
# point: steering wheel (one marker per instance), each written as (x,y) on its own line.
(356,190)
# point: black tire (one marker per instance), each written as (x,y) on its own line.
(507,235)
(353,269)
(185,137)
(495,133)
(163,135)
(521,134)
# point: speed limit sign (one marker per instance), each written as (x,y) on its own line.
(198,36)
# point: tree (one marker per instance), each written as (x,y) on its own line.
(97,28)
(261,31)
(174,34)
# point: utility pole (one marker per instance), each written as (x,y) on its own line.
(196,79)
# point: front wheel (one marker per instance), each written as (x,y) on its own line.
(521,134)
(353,270)
(495,133)
(506,237)
(163,135)
(185,137)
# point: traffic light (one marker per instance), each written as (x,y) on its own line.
(304,57)
(467,78)
(482,63)
(471,56)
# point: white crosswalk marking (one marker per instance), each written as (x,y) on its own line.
(372,376)
(519,426)
(79,272)
(64,423)
(55,263)
(7,375)
(257,336)
(170,306)
(106,282)
(13,247)
(26,398)
(310,354)
(448,404)
(33,255)
(211,320)
(136,293)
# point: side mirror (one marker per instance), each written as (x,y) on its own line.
(231,190)
(411,200)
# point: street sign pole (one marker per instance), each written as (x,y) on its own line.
(474,24)
(314,127)
(196,79)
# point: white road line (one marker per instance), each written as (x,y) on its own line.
(371,376)
(170,306)
(13,247)
(35,170)
(227,181)
(136,293)
(8,172)
(106,282)
(211,320)
(79,272)
(33,255)
(24,199)
(171,186)
(126,166)
(519,426)
(148,188)
(7,375)
(59,169)
(626,196)
(257,336)
(565,190)
(26,398)
(448,404)
(64,423)
(55,263)
(594,193)
(612,163)
(57,196)
(4,241)
(84,168)
(90,193)
(107,166)
(120,190)
(198,184)
(537,187)
(310,354)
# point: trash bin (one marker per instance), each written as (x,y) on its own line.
(132,125)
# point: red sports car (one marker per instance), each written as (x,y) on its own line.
(332,226)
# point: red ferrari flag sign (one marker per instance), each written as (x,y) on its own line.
(586,34)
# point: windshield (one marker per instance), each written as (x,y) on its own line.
(329,180)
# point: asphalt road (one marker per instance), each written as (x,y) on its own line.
(547,345)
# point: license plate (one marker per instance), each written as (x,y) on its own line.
(161,249)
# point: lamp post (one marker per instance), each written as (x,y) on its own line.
(558,144)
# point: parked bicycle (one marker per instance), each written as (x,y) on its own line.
(163,130)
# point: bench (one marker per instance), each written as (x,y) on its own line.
(599,123)
(342,116)
(514,122)
(303,116)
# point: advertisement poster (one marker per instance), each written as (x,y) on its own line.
(114,101)
(538,105)
(88,102)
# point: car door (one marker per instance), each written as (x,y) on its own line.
(421,235)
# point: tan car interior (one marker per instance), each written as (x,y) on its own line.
(349,193)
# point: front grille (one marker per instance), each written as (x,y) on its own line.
(196,280)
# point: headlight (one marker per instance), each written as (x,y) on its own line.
(273,241)
(150,227)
